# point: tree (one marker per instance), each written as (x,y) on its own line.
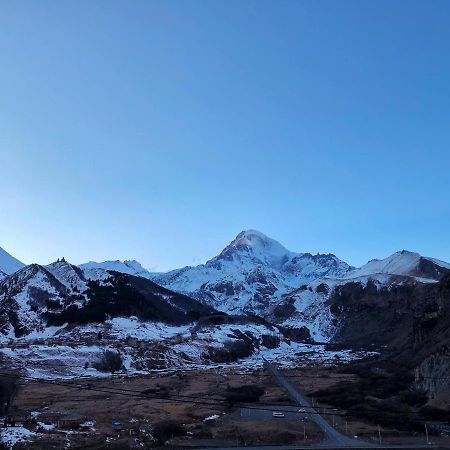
(110,361)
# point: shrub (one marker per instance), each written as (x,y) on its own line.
(167,429)
(244,394)
(413,397)
(8,385)
(110,361)
(231,351)
(270,341)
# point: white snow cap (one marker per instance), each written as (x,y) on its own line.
(131,267)
(400,263)
(259,245)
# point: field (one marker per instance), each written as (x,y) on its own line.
(191,409)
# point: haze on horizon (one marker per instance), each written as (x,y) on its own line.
(157,131)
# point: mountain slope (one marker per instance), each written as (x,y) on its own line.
(130,267)
(251,273)
(404,263)
(60,293)
(8,264)
(317,305)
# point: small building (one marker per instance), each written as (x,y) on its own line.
(70,421)
(61,420)
(17,418)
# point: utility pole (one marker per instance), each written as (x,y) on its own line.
(333,420)
(304,431)
(346,428)
(379,434)
(426,433)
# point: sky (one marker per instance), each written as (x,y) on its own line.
(158,130)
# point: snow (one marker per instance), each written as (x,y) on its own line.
(130,267)
(400,263)
(174,347)
(46,426)
(9,264)
(12,435)
(213,417)
(250,273)
(66,274)
(439,262)
(132,327)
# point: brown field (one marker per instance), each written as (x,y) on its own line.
(122,401)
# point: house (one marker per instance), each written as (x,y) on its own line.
(61,420)
(17,418)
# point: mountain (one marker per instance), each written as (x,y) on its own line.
(404,263)
(255,274)
(8,264)
(130,267)
(60,293)
(251,273)
(329,306)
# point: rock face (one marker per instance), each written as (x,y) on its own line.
(359,306)
(250,274)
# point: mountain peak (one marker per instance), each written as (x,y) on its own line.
(256,245)
(250,238)
(130,267)
(404,262)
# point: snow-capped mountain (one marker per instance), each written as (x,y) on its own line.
(310,305)
(8,264)
(37,296)
(403,263)
(251,273)
(130,267)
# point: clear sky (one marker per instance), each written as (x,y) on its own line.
(157,130)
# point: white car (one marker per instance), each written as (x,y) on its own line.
(277,414)
(302,410)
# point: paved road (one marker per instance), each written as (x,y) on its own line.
(333,437)
(264,413)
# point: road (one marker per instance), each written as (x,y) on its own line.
(333,437)
(264,413)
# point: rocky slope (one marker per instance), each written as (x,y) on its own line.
(329,306)
(250,274)
(60,293)
(255,274)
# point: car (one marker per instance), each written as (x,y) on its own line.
(277,414)
(302,410)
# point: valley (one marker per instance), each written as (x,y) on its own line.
(110,355)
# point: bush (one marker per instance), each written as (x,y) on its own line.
(284,437)
(244,394)
(270,341)
(413,397)
(231,351)
(110,361)
(167,429)
(8,385)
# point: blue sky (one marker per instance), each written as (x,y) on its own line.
(157,130)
